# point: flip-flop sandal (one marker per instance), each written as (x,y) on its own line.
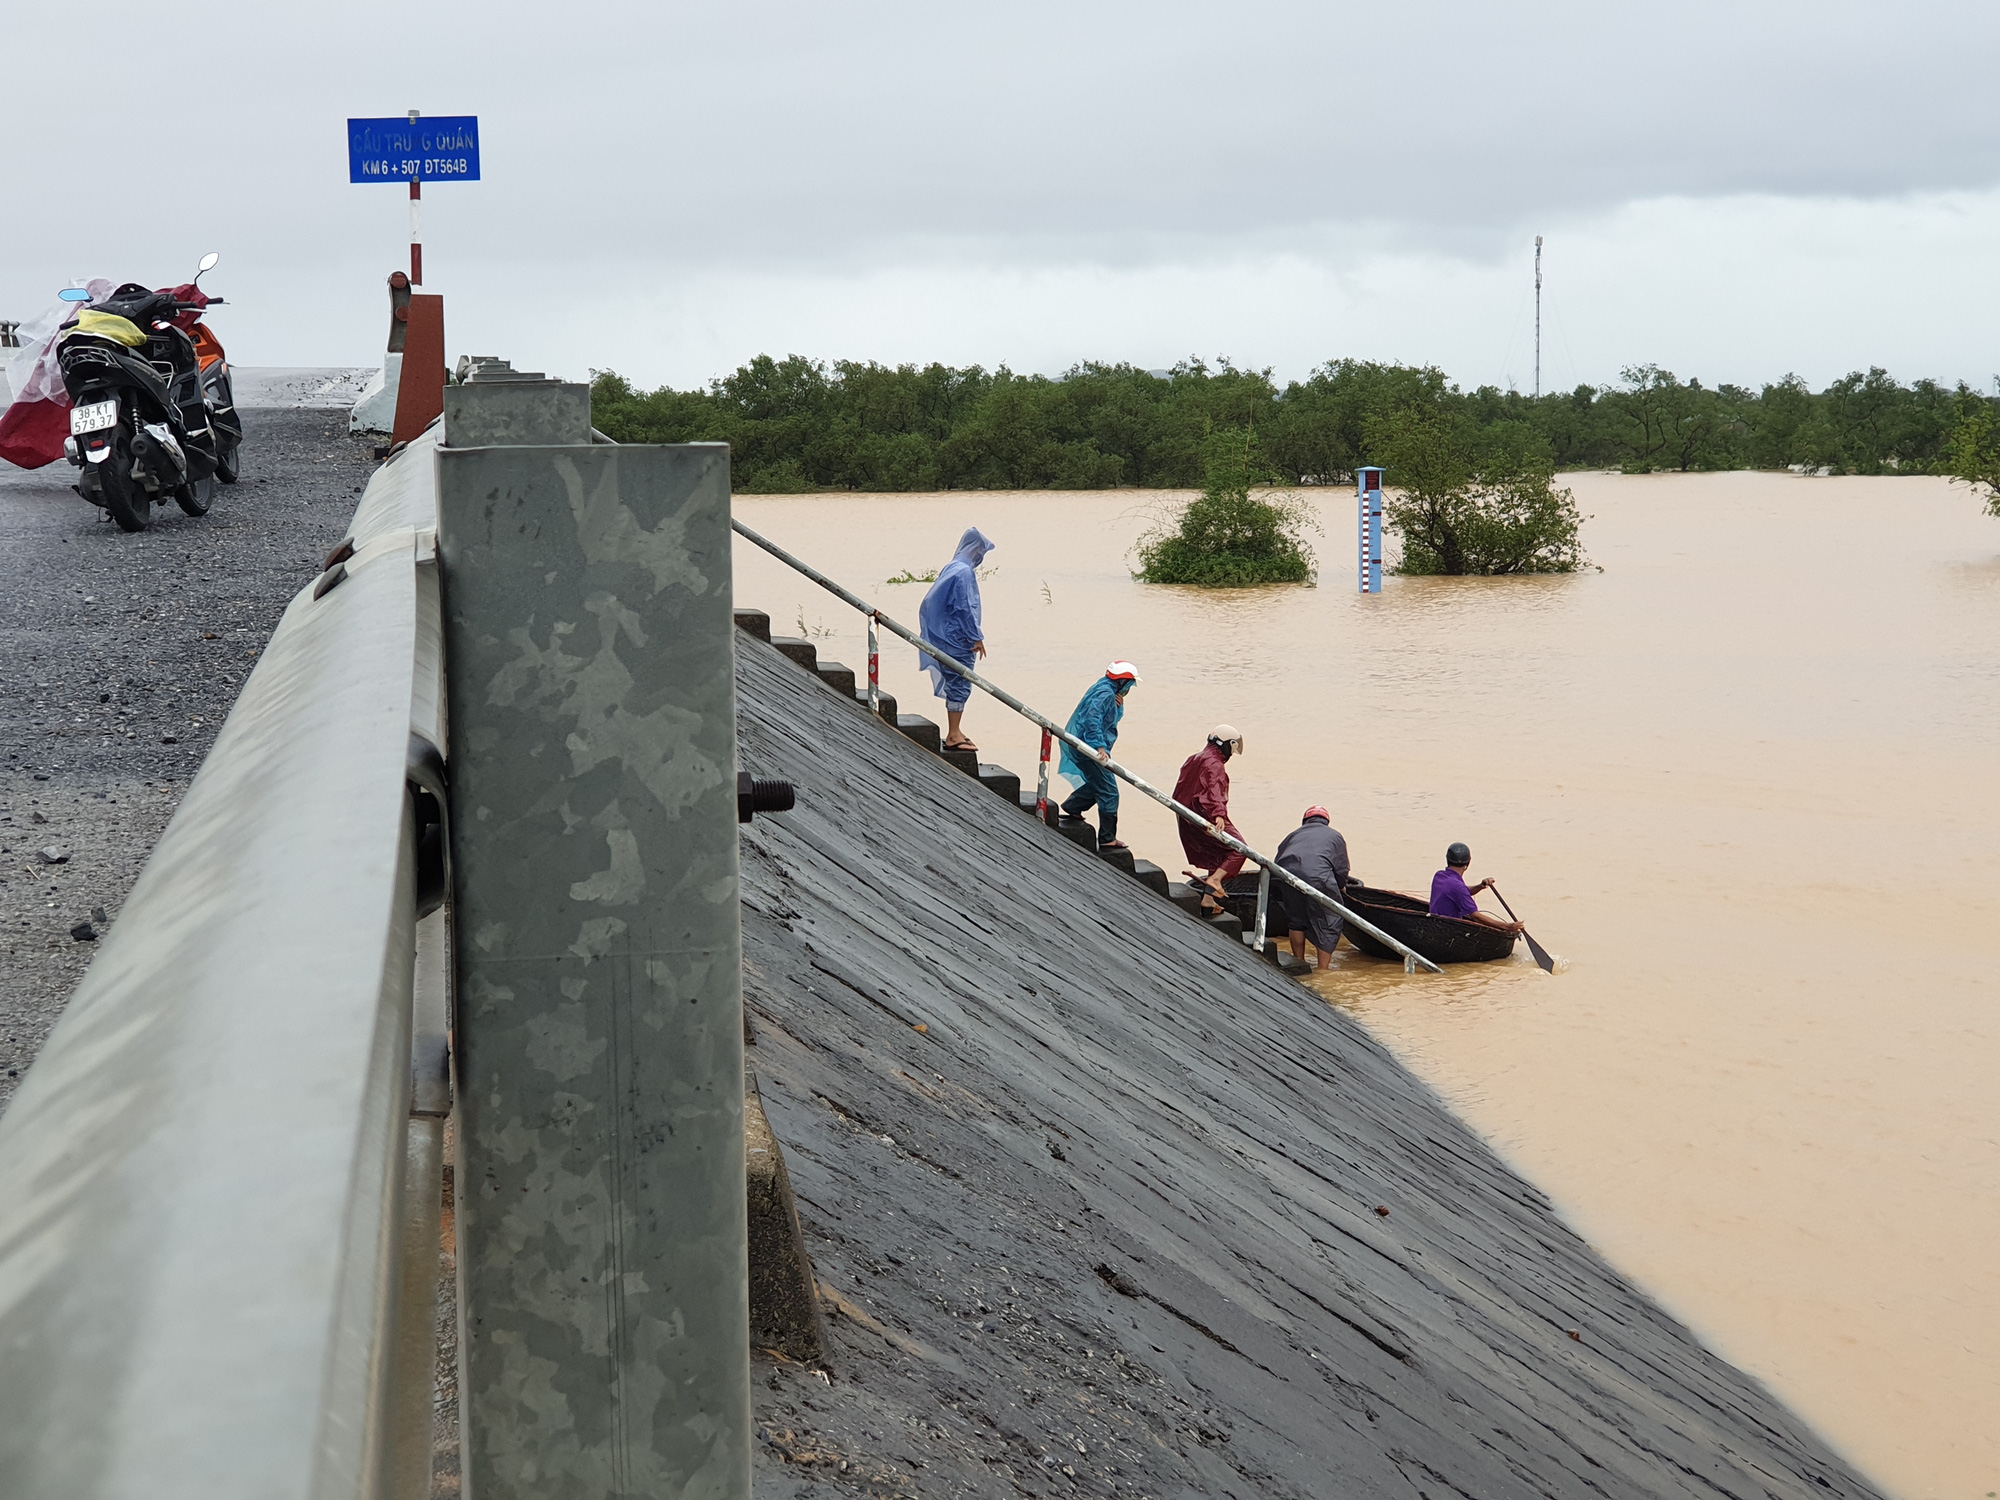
(1115,844)
(962,745)
(1198,884)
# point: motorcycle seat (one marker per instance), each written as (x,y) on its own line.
(142,305)
(94,324)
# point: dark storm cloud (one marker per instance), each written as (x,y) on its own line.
(816,134)
(1034,123)
(671,188)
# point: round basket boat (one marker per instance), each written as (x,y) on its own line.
(1443,940)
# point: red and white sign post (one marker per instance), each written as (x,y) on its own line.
(443,148)
(416,229)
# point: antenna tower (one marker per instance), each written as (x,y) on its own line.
(1538,315)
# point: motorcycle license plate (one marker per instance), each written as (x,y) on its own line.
(93,418)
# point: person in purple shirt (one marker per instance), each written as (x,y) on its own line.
(1452,897)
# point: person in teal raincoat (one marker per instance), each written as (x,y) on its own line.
(1095,722)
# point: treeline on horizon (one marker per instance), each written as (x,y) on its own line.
(796,425)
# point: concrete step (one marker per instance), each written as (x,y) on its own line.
(799,649)
(1028,805)
(839,678)
(1150,875)
(966,760)
(886,700)
(920,729)
(1081,832)
(1122,858)
(1003,781)
(754,622)
(1227,925)
(1279,956)
(1245,908)
(1185,896)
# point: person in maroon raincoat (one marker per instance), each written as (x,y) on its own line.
(1204,786)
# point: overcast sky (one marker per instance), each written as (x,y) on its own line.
(1734,191)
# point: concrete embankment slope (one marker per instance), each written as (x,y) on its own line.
(1112,1223)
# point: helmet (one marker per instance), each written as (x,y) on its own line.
(1122,671)
(1227,734)
(1458,856)
(1315,811)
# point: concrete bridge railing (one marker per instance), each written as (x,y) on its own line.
(220,1183)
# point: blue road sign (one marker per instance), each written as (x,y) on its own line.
(431,148)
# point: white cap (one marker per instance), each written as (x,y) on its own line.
(1122,671)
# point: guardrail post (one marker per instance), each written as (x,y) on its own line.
(420,384)
(601,1221)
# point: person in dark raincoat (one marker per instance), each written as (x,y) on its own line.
(1204,786)
(949,618)
(1095,722)
(1317,854)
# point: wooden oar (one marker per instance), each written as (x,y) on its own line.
(1541,954)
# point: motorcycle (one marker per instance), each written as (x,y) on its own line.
(152,405)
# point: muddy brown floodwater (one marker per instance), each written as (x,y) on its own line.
(1741,781)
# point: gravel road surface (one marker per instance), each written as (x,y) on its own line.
(119,657)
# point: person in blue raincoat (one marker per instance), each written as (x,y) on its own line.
(949,620)
(1095,722)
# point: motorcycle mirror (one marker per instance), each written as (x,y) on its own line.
(74,294)
(207,263)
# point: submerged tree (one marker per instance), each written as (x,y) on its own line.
(1461,511)
(1973,457)
(1229,538)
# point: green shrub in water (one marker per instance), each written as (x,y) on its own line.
(1462,511)
(1974,457)
(1229,538)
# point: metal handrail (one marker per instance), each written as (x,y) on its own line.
(1049,727)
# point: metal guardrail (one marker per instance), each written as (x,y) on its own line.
(1411,958)
(219,1184)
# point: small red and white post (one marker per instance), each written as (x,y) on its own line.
(416,232)
(1042,778)
(874,666)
